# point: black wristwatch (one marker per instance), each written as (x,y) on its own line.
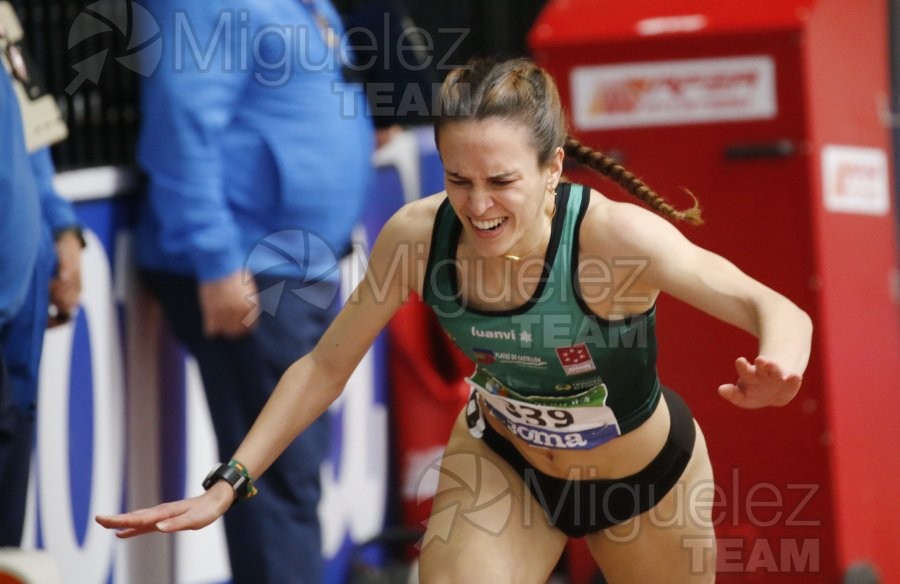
(235,475)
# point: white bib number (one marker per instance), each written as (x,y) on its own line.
(578,427)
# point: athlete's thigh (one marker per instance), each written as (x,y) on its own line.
(674,542)
(485,526)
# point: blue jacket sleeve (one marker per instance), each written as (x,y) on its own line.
(20,210)
(188,103)
(58,213)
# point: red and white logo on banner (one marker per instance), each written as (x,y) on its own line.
(664,93)
(576,359)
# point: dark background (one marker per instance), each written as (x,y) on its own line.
(103,118)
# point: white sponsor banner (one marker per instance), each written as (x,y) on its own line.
(673,92)
(855,180)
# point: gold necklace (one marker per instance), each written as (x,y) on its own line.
(515,258)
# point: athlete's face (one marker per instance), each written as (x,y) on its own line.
(499,191)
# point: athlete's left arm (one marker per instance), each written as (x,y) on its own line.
(716,286)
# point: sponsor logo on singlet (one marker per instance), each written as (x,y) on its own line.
(575,359)
(507,335)
(489,356)
(483,356)
(579,384)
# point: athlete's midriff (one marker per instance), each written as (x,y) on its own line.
(619,457)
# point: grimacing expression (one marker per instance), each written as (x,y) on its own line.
(496,185)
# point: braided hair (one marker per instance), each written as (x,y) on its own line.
(519,91)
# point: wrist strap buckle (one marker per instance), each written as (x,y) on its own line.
(235,474)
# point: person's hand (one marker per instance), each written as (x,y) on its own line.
(760,384)
(227,310)
(65,287)
(193,513)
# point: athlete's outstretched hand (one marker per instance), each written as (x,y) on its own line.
(760,384)
(193,513)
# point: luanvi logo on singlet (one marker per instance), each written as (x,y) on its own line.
(505,335)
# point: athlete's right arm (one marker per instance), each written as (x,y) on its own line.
(396,268)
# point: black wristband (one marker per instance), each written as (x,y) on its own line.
(235,476)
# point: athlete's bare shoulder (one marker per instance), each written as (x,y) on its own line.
(599,203)
(406,238)
(421,212)
(414,221)
(619,227)
(597,219)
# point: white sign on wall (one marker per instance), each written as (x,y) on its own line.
(855,180)
(673,92)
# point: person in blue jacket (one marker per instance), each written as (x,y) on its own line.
(40,248)
(258,155)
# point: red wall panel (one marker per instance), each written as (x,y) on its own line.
(825,462)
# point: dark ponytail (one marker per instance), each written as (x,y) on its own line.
(606,166)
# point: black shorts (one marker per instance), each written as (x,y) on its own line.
(579,507)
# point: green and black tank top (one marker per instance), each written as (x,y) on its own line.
(552,346)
